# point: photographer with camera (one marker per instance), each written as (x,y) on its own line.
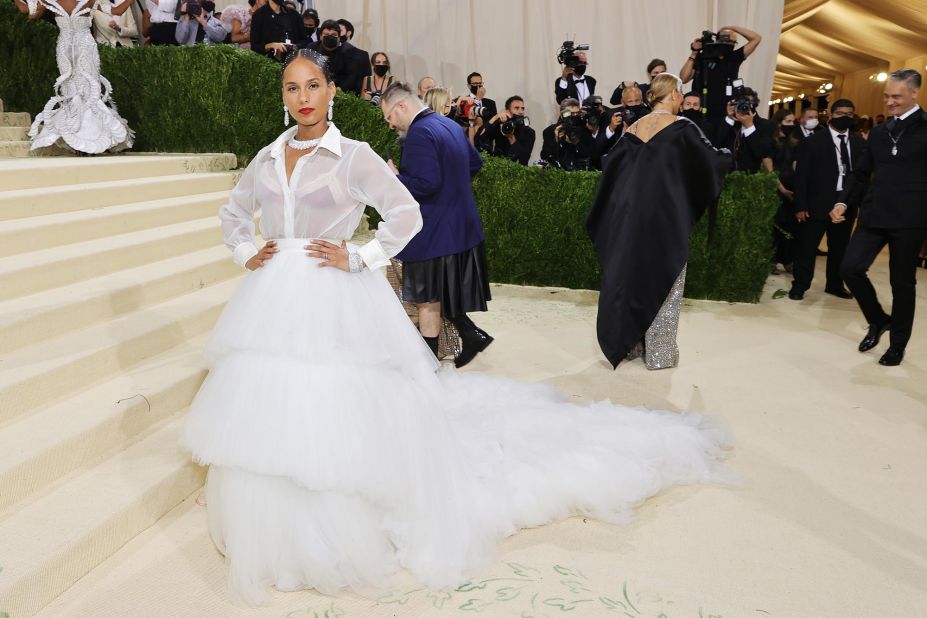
(654,68)
(749,137)
(379,81)
(277,30)
(198,25)
(568,144)
(507,133)
(474,110)
(573,83)
(714,64)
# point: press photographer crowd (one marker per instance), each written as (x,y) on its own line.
(717,101)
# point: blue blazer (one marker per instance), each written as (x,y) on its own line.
(438,165)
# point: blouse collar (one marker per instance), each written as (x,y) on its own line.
(331,141)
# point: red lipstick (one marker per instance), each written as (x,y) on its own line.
(306,110)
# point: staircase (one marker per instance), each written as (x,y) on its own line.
(112,274)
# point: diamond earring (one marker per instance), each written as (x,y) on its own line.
(331,105)
(286,116)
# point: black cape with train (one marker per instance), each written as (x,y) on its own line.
(649,198)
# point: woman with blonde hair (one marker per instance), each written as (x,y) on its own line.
(657,181)
(438,100)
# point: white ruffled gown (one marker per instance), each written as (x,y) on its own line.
(81,115)
(340,454)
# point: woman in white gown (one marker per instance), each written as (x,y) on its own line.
(339,452)
(80,116)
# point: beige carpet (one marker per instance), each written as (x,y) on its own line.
(832,521)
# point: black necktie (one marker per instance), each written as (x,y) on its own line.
(580,80)
(845,154)
(890,125)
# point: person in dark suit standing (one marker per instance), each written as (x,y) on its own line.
(825,159)
(747,135)
(444,268)
(357,60)
(892,211)
(574,83)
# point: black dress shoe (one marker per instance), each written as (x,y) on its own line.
(892,358)
(473,342)
(839,293)
(796,294)
(872,337)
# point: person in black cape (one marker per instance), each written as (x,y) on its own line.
(657,181)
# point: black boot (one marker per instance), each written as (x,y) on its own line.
(432,343)
(474,340)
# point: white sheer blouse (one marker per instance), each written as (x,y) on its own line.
(324,199)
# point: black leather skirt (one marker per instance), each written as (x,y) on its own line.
(460,282)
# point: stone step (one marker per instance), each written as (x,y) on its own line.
(38,317)
(50,371)
(41,173)
(34,202)
(47,231)
(14,134)
(16,149)
(52,542)
(81,431)
(15,119)
(37,271)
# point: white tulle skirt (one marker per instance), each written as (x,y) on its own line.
(340,454)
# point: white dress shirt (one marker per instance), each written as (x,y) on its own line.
(835,136)
(582,90)
(324,199)
(909,112)
(162,12)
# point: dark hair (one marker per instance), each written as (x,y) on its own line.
(312,56)
(330,24)
(252,2)
(308,13)
(209,6)
(347,26)
(654,64)
(841,103)
(512,99)
(907,75)
(692,93)
(472,75)
(777,118)
(373,58)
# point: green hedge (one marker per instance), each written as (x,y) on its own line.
(535,231)
(223,99)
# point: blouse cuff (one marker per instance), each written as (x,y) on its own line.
(373,255)
(244,252)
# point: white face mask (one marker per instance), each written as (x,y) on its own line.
(811,123)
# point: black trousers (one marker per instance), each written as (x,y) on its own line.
(903,246)
(163,33)
(808,238)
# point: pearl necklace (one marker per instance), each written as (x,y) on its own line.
(660,111)
(296,144)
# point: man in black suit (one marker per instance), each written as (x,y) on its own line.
(825,159)
(574,83)
(807,123)
(329,45)
(508,134)
(357,60)
(893,212)
(748,136)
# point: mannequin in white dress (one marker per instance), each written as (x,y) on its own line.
(80,116)
(339,451)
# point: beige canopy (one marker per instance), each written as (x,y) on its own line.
(847,43)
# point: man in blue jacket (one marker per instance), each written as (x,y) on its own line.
(444,266)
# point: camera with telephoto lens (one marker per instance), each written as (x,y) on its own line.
(573,123)
(508,127)
(714,45)
(592,109)
(743,104)
(567,53)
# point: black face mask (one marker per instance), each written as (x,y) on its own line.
(344,38)
(380,70)
(787,129)
(474,90)
(692,114)
(842,123)
(579,69)
(310,30)
(330,41)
